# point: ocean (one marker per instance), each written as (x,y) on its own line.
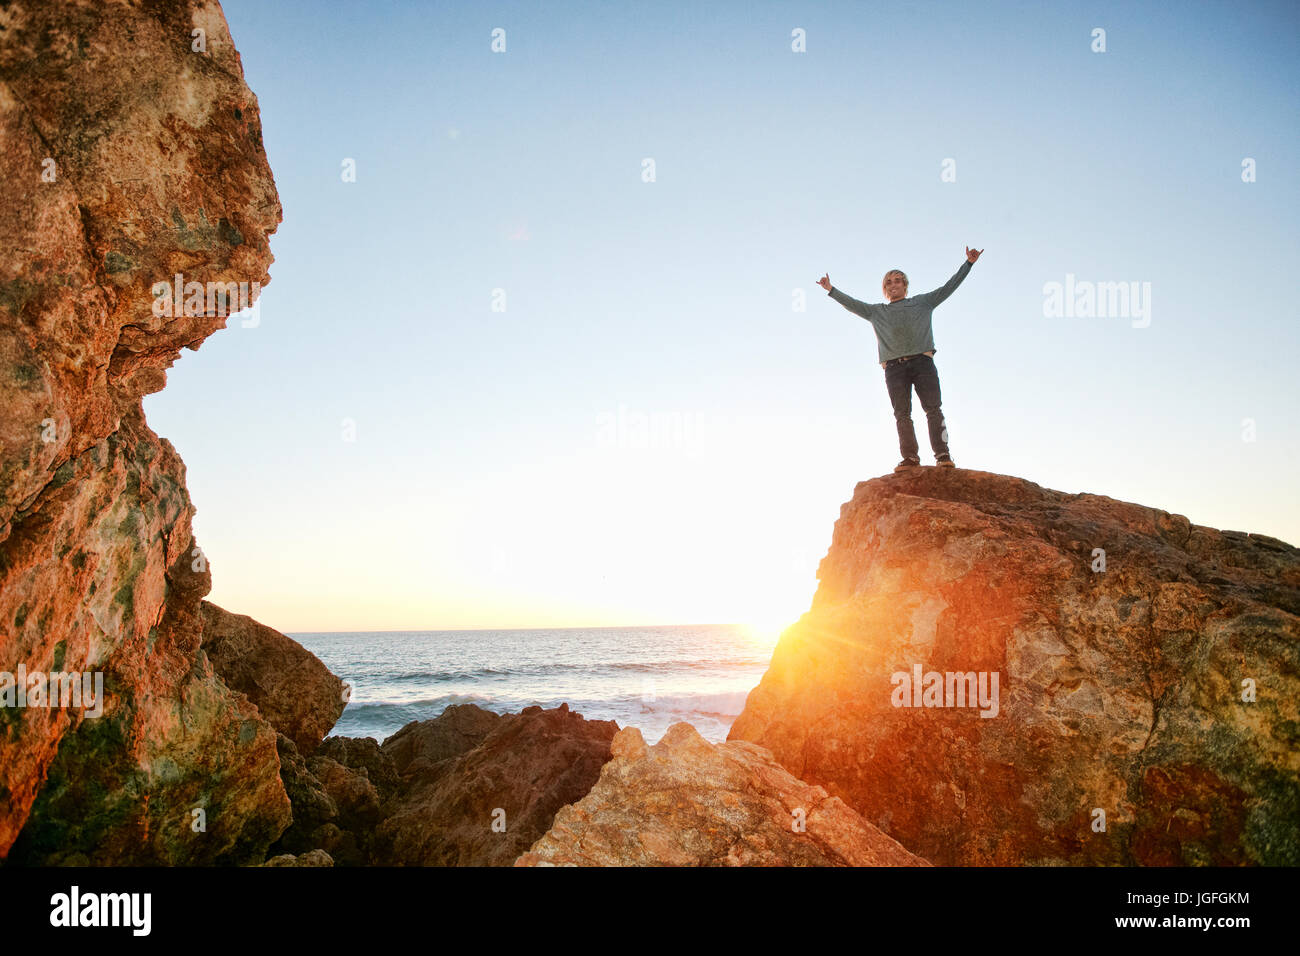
(644,677)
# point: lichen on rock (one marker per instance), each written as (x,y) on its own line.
(104,153)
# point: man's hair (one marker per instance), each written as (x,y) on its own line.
(892,272)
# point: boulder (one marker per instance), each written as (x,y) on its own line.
(422,744)
(687,802)
(294,692)
(1148,670)
(488,804)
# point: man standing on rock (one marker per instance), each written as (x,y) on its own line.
(905,345)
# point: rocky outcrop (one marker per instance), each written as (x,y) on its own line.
(342,794)
(314,858)
(172,739)
(489,804)
(687,802)
(292,689)
(418,748)
(336,805)
(364,755)
(468,788)
(132,154)
(1149,678)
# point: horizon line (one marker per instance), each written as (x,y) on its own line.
(567,627)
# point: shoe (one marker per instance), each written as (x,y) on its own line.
(907,463)
(945,462)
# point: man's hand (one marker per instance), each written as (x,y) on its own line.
(825,282)
(973,254)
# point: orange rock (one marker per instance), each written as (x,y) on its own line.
(731,809)
(120,170)
(1120,692)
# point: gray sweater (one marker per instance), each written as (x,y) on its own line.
(902,327)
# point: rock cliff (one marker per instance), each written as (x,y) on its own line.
(991,672)
(132,154)
(1148,678)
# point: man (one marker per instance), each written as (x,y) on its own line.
(905,346)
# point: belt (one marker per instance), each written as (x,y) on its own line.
(901,359)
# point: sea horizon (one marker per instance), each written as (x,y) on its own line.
(645,676)
(557,627)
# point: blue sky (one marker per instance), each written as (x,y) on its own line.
(499,477)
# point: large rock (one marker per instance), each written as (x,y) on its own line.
(1120,690)
(363,755)
(423,744)
(313,807)
(489,803)
(292,689)
(469,787)
(177,768)
(336,804)
(687,802)
(129,156)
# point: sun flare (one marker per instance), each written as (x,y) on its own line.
(764,632)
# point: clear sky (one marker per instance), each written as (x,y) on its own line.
(662,423)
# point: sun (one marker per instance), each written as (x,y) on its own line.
(764,630)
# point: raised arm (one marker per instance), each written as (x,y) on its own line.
(932,299)
(853,305)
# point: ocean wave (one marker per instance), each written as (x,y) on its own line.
(728,704)
(710,713)
(370,708)
(689,665)
(436,675)
(470,674)
(725,704)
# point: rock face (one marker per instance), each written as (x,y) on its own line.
(419,747)
(489,804)
(132,153)
(292,689)
(1120,690)
(337,796)
(468,788)
(686,802)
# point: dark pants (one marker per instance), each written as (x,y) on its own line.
(899,379)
